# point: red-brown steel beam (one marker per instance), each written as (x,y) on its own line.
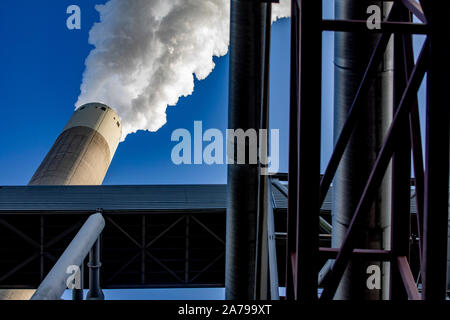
(355,110)
(415,8)
(407,278)
(376,176)
(416,145)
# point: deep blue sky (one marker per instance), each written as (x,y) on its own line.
(42,64)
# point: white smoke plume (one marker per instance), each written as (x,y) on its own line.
(147,53)
(281,10)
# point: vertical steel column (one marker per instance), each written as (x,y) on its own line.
(416,146)
(261,272)
(272,246)
(262,257)
(401,168)
(143,247)
(437,151)
(309,119)
(42,247)
(78,294)
(95,292)
(246,65)
(293,153)
(186,253)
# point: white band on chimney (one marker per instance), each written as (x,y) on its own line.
(102,119)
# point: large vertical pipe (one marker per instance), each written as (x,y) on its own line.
(262,259)
(246,65)
(352,52)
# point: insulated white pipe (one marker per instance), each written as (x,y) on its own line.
(54,284)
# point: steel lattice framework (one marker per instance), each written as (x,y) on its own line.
(403,139)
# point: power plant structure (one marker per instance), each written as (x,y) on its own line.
(81,155)
(381,207)
(83,151)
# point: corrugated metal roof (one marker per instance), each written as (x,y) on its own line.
(122,198)
(112,198)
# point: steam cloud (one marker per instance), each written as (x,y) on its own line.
(148,51)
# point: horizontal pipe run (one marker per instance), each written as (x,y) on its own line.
(54,284)
(385,26)
(363,254)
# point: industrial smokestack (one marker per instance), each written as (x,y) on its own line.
(83,151)
(80,156)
